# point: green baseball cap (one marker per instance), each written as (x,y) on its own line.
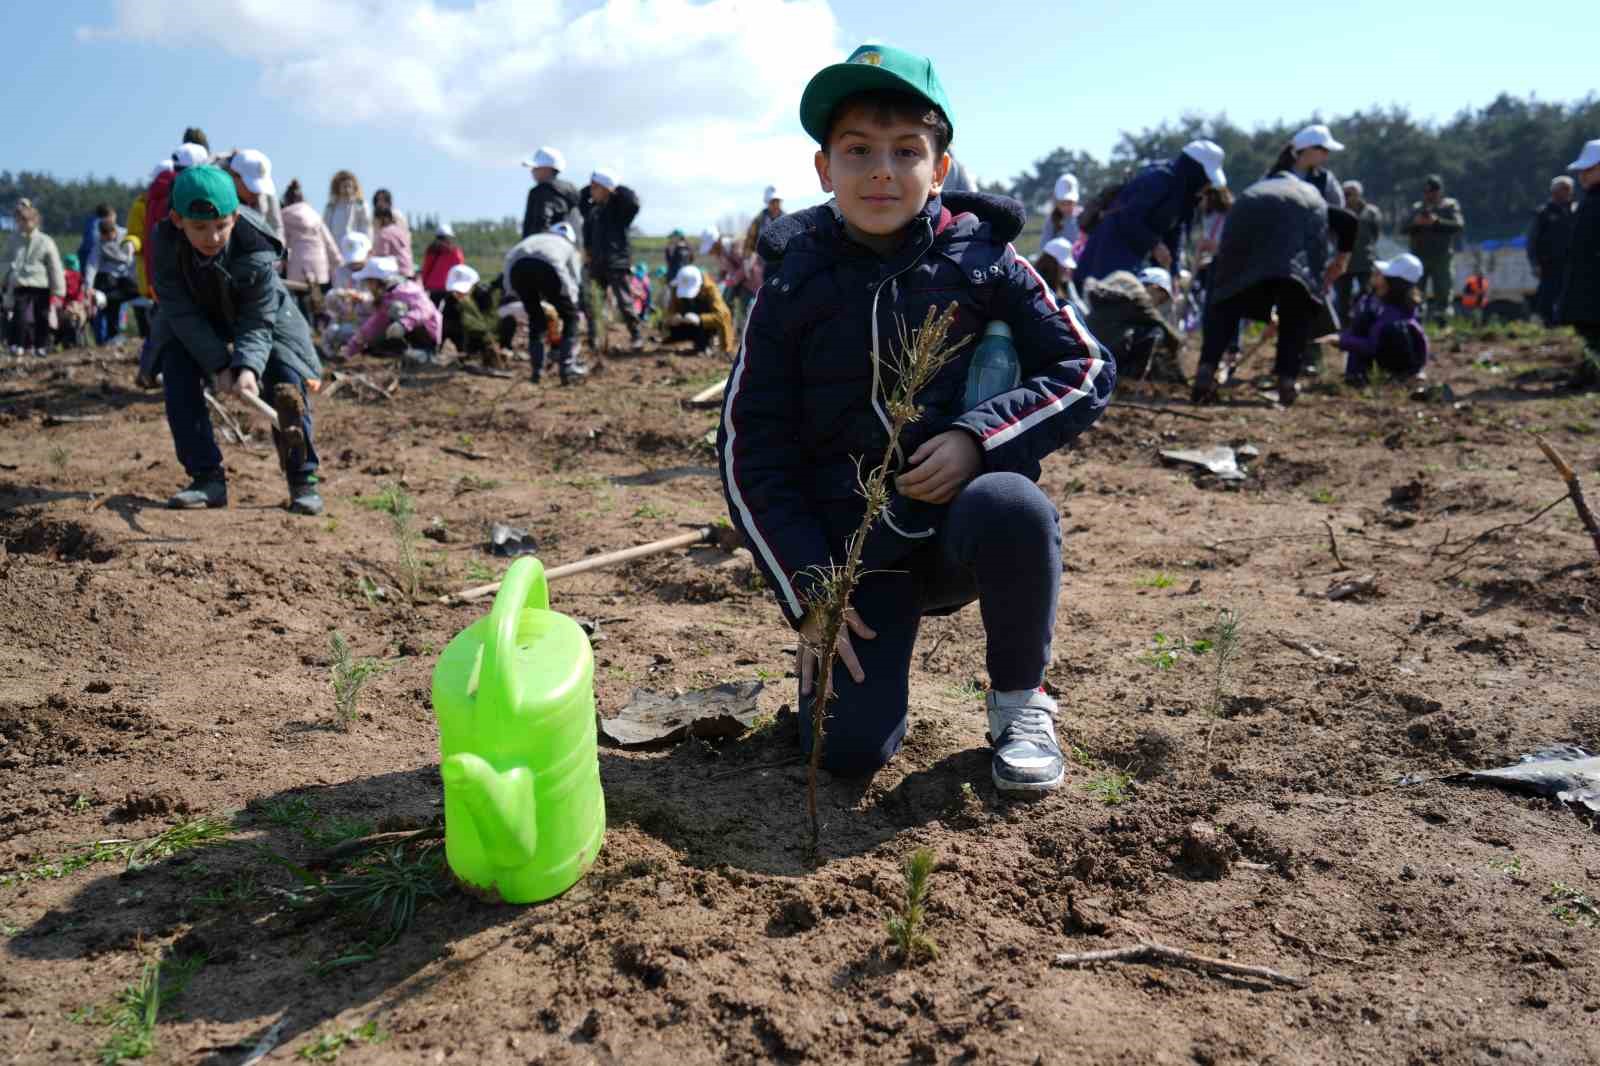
(872,66)
(204,192)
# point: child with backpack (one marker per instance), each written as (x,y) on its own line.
(804,406)
(1385,330)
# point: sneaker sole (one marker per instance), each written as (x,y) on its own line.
(1028,788)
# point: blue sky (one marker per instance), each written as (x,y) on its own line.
(695,102)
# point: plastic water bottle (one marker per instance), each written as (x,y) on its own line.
(524,816)
(995,367)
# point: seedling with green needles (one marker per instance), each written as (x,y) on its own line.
(349,677)
(1165,651)
(1160,580)
(906,927)
(1111,787)
(397,503)
(1225,642)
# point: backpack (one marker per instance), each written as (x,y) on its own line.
(1100,206)
(1404,342)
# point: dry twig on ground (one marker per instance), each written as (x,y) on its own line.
(1574,489)
(1153,952)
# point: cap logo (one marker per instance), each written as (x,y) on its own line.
(871,59)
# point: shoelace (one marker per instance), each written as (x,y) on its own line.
(1031,724)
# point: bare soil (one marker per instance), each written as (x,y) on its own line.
(158,666)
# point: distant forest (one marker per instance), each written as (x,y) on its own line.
(1497,161)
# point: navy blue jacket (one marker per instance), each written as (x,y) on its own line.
(1156,206)
(805,397)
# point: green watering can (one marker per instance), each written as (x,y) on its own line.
(514,693)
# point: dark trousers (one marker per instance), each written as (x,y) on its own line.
(689,332)
(190,418)
(118,292)
(1438,282)
(30,317)
(1551,278)
(1000,545)
(1297,315)
(534,280)
(418,339)
(617,283)
(1350,287)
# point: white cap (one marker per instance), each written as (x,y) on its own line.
(771,193)
(444,229)
(1209,155)
(1316,135)
(1067,187)
(564,229)
(688,282)
(1404,266)
(606,179)
(163,167)
(460,279)
(1157,277)
(1590,156)
(1355,186)
(255,170)
(355,247)
(190,155)
(1561,180)
(708,240)
(545,156)
(379,268)
(1060,249)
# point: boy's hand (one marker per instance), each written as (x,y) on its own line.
(805,659)
(941,467)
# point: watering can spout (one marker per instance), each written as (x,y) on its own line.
(501,804)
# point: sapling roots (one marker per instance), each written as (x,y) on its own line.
(919,355)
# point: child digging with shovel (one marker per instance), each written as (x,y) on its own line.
(225,312)
(805,404)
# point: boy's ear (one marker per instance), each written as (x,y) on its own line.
(175,218)
(821,161)
(941,171)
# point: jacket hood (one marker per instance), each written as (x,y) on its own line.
(1118,286)
(1004,216)
(252,234)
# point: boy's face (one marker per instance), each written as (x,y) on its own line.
(599,193)
(544,173)
(245,195)
(881,169)
(209,236)
(1589,178)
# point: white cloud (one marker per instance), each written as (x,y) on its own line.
(694,103)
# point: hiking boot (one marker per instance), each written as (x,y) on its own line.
(1204,389)
(1288,392)
(202,492)
(304,498)
(1022,729)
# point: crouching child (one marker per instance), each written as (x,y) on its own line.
(225,312)
(1385,329)
(696,311)
(470,322)
(805,405)
(403,321)
(545,269)
(1125,313)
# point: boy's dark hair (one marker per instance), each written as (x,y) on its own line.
(104,211)
(1398,292)
(887,105)
(292,194)
(195,135)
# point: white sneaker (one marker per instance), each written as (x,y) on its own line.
(1027,756)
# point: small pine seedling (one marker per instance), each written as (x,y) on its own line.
(58,459)
(349,677)
(906,928)
(1225,642)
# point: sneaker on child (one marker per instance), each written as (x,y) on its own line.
(1022,729)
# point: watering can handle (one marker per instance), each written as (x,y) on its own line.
(524,586)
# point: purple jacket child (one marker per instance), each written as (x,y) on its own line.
(1387,334)
(403,303)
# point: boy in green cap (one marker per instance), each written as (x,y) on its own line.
(225,312)
(805,405)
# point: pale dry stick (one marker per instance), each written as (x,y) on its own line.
(227,417)
(922,352)
(703,535)
(1333,545)
(1160,410)
(269,1041)
(1331,659)
(1149,951)
(1574,489)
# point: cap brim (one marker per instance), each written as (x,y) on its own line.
(1583,162)
(1333,145)
(263,187)
(832,84)
(1218,177)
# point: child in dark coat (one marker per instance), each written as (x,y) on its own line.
(1385,330)
(804,405)
(1580,296)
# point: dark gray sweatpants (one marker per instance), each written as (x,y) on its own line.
(1000,545)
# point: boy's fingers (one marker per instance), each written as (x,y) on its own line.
(847,655)
(858,627)
(921,452)
(802,662)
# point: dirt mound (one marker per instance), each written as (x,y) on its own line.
(30,533)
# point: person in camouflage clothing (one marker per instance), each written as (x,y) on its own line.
(1432,226)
